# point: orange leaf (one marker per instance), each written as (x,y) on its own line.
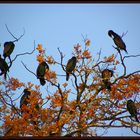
(65,84)
(86,54)
(50,60)
(40,58)
(40,48)
(87,42)
(117,62)
(110,58)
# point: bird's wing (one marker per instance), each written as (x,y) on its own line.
(40,70)
(70,65)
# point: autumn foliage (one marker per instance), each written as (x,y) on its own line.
(71,108)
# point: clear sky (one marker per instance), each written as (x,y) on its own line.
(61,25)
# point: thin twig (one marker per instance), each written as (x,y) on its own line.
(131,74)
(28,69)
(16,39)
(29,53)
(123,34)
(131,56)
(62,56)
(134,131)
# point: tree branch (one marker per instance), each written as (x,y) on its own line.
(16,39)
(29,53)
(28,69)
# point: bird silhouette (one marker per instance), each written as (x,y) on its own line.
(117,40)
(25,97)
(8,49)
(41,72)
(70,66)
(25,101)
(106,75)
(3,67)
(132,109)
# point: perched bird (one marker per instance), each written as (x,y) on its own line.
(132,109)
(3,67)
(106,75)
(70,66)
(117,40)
(8,49)
(25,97)
(25,101)
(41,72)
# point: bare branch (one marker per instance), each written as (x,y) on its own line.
(123,34)
(9,103)
(99,55)
(62,56)
(16,39)
(29,53)
(136,132)
(28,69)
(44,103)
(131,74)
(131,56)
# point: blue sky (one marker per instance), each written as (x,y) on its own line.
(61,25)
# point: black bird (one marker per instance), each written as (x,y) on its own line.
(8,49)
(132,109)
(3,67)
(70,66)
(25,101)
(106,75)
(41,72)
(117,40)
(25,97)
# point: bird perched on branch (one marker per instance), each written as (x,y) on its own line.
(106,75)
(3,67)
(41,72)
(117,40)
(8,49)
(70,66)
(25,101)
(25,97)
(132,109)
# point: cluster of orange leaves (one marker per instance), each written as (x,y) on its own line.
(40,56)
(78,50)
(79,53)
(40,48)
(50,75)
(89,106)
(50,60)
(86,54)
(24,125)
(14,83)
(115,94)
(110,58)
(87,42)
(128,87)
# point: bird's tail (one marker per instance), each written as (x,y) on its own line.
(107,84)
(125,51)
(5,75)
(137,119)
(67,76)
(42,81)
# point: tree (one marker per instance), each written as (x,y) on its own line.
(93,104)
